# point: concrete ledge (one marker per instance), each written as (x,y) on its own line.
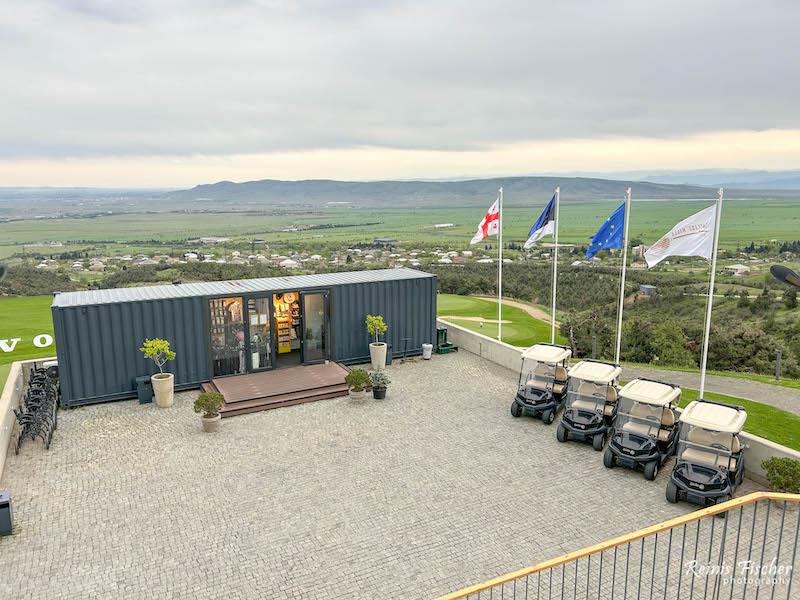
(18,378)
(510,357)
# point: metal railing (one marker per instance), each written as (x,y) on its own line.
(741,549)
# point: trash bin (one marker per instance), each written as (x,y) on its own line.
(6,518)
(427,349)
(144,389)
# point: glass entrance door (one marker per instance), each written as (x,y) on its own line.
(227,336)
(315,327)
(259,343)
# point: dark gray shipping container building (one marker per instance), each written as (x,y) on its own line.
(227,328)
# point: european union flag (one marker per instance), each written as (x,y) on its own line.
(610,233)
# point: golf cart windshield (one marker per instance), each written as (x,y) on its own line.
(589,396)
(708,448)
(540,375)
(644,420)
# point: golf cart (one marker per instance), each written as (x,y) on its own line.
(591,402)
(645,431)
(542,382)
(710,460)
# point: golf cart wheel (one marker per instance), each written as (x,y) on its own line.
(608,458)
(720,500)
(562,435)
(651,470)
(672,492)
(516,409)
(548,416)
(598,441)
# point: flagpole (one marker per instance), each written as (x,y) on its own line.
(555,269)
(707,331)
(624,268)
(500,267)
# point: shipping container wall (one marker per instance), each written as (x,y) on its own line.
(407,306)
(98,346)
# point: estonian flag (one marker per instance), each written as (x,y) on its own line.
(610,233)
(544,226)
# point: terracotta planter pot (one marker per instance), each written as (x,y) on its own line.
(211,424)
(377,355)
(164,389)
(357,395)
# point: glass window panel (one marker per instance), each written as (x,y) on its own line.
(227,336)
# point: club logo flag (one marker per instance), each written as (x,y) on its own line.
(544,226)
(490,224)
(694,236)
(610,233)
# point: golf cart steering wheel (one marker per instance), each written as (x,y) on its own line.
(719,446)
(652,418)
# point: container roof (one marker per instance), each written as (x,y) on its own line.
(599,372)
(650,392)
(713,416)
(547,353)
(232,288)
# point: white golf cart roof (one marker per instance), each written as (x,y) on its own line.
(716,417)
(650,392)
(598,372)
(547,353)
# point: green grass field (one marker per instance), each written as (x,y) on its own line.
(24,318)
(744,221)
(523,330)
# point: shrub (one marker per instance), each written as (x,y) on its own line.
(379,379)
(158,350)
(209,404)
(783,474)
(357,379)
(376,326)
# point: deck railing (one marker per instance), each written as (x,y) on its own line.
(742,549)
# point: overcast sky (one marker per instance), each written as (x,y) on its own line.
(148,92)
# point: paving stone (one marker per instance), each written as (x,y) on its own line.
(432,489)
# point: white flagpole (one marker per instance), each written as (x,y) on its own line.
(500,267)
(710,294)
(555,269)
(624,268)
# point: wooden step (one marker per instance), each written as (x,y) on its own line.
(248,406)
(208,387)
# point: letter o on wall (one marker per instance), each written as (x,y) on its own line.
(43,340)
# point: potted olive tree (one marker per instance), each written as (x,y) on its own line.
(163,383)
(357,380)
(377,349)
(380,380)
(209,404)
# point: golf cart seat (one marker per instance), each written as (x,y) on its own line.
(644,430)
(695,456)
(542,373)
(704,437)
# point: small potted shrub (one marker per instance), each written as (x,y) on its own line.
(209,404)
(783,475)
(380,380)
(377,349)
(163,383)
(358,380)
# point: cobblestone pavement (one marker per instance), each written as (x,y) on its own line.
(432,489)
(782,397)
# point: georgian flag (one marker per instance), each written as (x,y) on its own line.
(694,236)
(490,224)
(544,226)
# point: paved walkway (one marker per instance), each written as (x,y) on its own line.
(782,397)
(435,488)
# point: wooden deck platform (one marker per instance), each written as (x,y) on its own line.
(281,387)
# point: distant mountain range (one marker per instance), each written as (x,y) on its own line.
(727,178)
(422,193)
